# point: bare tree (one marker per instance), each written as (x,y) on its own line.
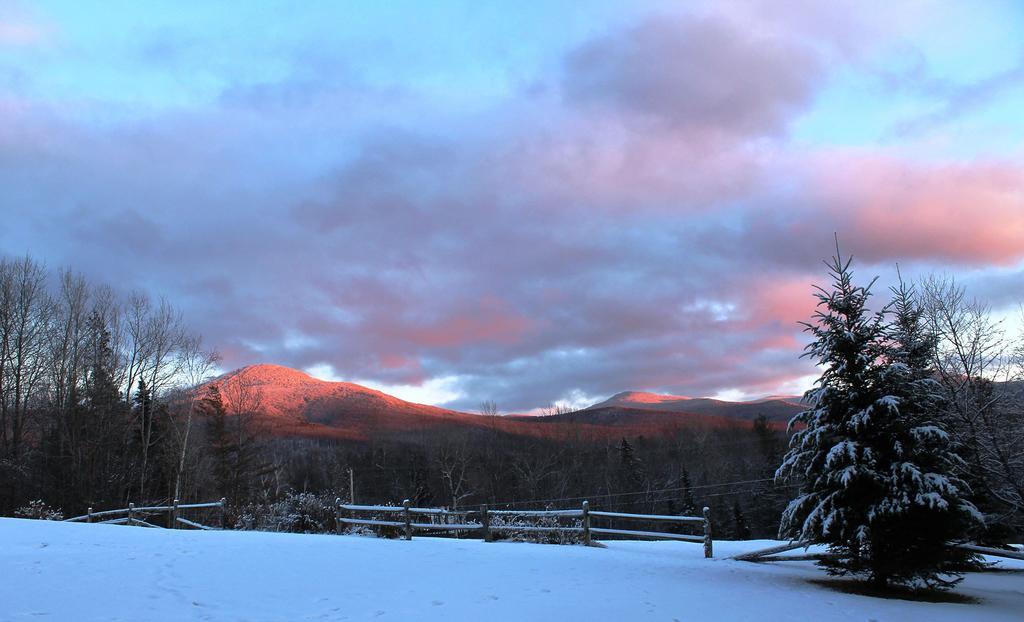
(976,364)
(197,365)
(533,468)
(137,344)
(556,409)
(453,460)
(25,308)
(66,338)
(243,398)
(163,356)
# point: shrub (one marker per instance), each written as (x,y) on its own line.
(39,510)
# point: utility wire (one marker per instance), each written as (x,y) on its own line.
(648,492)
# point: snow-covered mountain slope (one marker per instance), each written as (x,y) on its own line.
(78,572)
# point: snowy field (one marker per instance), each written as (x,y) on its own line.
(78,572)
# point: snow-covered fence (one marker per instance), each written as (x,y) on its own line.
(773,554)
(1010,553)
(561,526)
(489,522)
(406,518)
(769,554)
(701,521)
(136,515)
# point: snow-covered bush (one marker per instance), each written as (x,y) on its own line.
(40,510)
(519,531)
(301,512)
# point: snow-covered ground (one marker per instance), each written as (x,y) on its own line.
(78,572)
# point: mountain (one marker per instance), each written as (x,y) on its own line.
(629,421)
(775,408)
(290,402)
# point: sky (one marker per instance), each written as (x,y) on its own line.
(529,203)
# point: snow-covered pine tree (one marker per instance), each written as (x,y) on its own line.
(873,465)
(831,453)
(926,505)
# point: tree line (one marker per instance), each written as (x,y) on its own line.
(94,400)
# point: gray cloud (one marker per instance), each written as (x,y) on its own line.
(696,73)
(549,245)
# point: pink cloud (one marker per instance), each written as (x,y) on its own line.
(962,212)
(784,301)
(491,321)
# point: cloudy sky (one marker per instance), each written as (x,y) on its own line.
(519,202)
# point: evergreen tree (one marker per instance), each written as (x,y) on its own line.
(101,391)
(689,504)
(741,531)
(143,401)
(874,467)
(927,502)
(100,422)
(632,468)
(768,440)
(220,443)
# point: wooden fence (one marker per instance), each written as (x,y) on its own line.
(773,554)
(137,516)
(410,519)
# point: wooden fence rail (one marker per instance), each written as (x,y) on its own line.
(482,521)
(988,550)
(773,554)
(173,519)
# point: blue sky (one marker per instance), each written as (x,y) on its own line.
(524,202)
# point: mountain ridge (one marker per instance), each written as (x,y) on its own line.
(775,408)
(291,402)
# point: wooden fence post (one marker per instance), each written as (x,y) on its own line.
(485,522)
(337,516)
(88,515)
(708,550)
(586,523)
(351,486)
(131,513)
(408,519)
(223,513)
(172,517)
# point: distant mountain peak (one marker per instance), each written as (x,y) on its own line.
(644,397)
(775,408)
